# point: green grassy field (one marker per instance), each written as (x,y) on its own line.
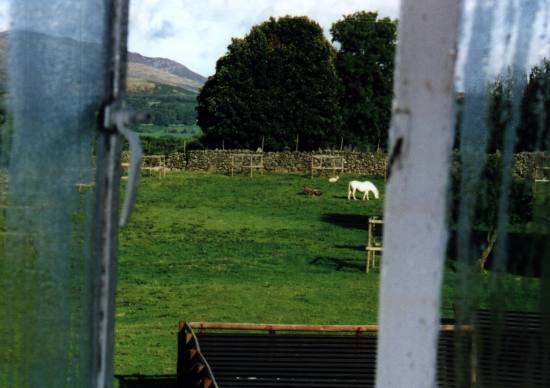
(219,248)
(181,131)
(237,249)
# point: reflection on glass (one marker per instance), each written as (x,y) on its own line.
(53,69)
(500,258)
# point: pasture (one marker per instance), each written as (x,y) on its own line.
(220,248)
(180,131)
(207,247)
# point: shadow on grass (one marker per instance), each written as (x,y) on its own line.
(338,264)
(360,248)
(140,381)
(524,257)
(340,197)
(347,220)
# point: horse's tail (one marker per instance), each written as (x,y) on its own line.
(375,191)
(349,190)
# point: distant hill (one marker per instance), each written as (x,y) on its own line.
(161,71)
(142,70)
(168,66)
(164,89)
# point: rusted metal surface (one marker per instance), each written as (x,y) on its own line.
(282,327)
(303,328)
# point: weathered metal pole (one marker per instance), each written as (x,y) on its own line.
(415,234)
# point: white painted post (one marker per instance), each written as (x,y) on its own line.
(415,207)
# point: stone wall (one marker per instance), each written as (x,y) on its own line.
(525,162)
(360,163)
(294,162)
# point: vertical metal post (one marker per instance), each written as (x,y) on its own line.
(415,208)
(108,181)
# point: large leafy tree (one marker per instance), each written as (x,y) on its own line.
(499,112)
(533,126)
(485,212)
(534,130)
(364,63)
(278,83)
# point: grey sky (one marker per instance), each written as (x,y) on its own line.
(197,33)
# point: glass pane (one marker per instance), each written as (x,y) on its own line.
(53,83)
(499,254)
(223,231)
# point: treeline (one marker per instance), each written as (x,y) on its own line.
(285,86)
(533,126)
(163,145)
(166,105)
(516,103)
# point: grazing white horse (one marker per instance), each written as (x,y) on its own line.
(364,187)
(334,180)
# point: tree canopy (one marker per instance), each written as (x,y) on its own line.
(278,83)
(534,130)
(165,105)
(533,125)
(365,63)
(485,211)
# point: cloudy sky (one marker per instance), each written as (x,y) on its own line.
(196,33)
(3,15)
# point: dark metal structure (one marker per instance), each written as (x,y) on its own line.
(304,359)
(513,350)
(290,360)
(193,370)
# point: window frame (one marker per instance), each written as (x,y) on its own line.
(416,233)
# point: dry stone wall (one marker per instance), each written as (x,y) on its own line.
(360,163)
(290,162)
(525,162)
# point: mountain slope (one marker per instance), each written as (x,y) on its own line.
(166,65)
(156,86)
(141,70)
(161,71)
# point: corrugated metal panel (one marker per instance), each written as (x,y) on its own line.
(294,360)
(512,351)
(193,370)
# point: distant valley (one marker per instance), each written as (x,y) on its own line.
(167,91)
(164,89)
